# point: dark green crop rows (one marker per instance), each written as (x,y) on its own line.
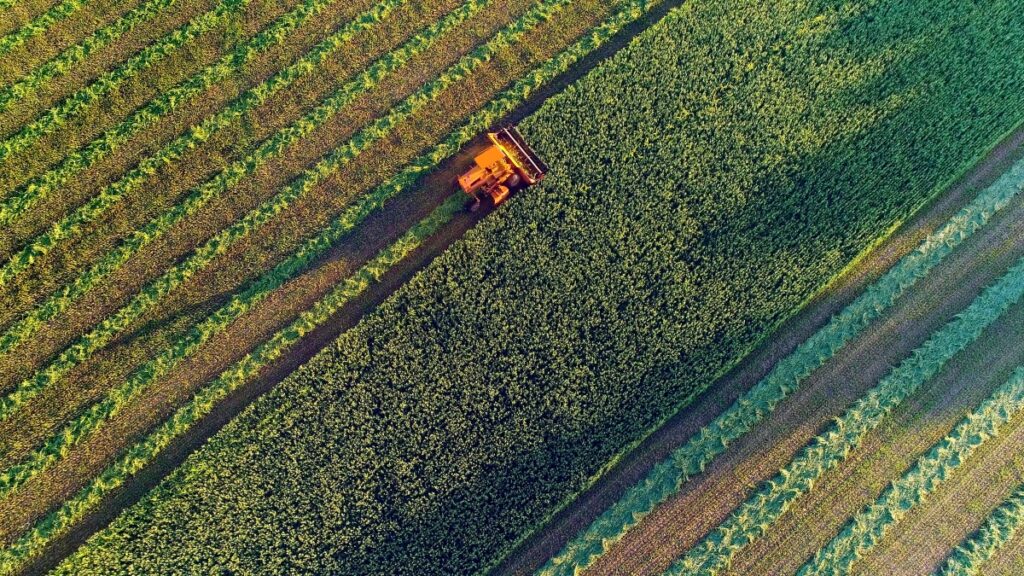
(705,182)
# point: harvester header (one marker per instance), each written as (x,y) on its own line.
(507,164)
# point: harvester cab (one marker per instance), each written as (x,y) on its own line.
(507,164)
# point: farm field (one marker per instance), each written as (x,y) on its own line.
(198,197)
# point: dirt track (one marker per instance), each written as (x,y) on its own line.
(379,229)
(709,498)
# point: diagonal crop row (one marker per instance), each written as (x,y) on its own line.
(134,179)
(58,445)
(755,516)
(99,88)
(995,533)
(203,194)
(869,526)
(39,24)
(669,475)
(142,453)
(42,186)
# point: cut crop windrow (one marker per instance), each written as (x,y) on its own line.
(134,179)
(143,452)
(202,195)
(39,24)
(99,88)
(862,532)
(668,476)
(1001,526)
(757,514)
(58,445)
(111,140)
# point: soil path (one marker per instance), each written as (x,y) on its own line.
(396,217)
(828,399)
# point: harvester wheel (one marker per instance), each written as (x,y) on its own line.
(513,181)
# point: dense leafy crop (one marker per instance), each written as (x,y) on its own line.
(109,81)
(668,476)
(59,11)
(755,516)
(994,534)
(705,181)
(144,451)
(111,140)
(58,445)
(869,526)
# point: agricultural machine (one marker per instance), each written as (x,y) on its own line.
(507,164)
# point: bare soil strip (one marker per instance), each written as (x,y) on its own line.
(395,216)
(204,288)
(920,543)
(707,500)
(886,453)
(56,484)
(688,421)
(84,185)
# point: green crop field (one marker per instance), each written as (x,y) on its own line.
(247,325)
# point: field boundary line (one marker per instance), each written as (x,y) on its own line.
(59,114)
(865,529)
(58,445)
(27,195)
(63,298)
(143,452)
(755,516)
(668,476)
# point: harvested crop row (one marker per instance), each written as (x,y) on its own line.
(486,335)
(668,476)
(999,528)
(169,154)
(78,102)
(140,454)
(755,516)
(143,452)
(870,525)
(160,288)
(60,443)
(40,24)
(40,187)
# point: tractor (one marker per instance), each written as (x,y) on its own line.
(507,164)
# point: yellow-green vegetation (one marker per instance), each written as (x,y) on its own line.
(684,217)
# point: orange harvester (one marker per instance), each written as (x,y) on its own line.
(507,164)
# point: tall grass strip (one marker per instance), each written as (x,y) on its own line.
(668,476)
(199,197)
(142,453)
(871,524)
(40,24)
(111,140)
(995,533)
(173,151)
(60,444)
(106,83)
(756,515)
